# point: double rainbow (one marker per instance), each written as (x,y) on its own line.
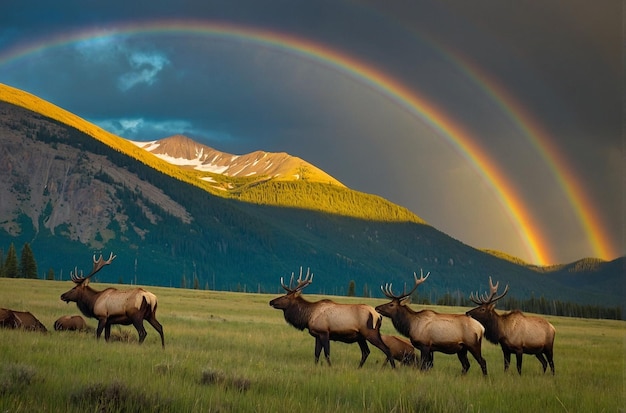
(409,99)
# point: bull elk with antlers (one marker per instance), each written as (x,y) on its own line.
(430,331)
(515,332)
(327,320)
(112,306)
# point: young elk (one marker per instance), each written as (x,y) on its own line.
(327,320)
(401,350)
(430,331)
(516,332)
(112,306)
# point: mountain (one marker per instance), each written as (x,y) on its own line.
(71,189)
(182,151)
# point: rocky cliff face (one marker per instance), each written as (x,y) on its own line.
(44,176)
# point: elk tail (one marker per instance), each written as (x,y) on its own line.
(377,319)
(147,297)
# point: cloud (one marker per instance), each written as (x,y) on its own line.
(146,67)
(143,129)
(134,64)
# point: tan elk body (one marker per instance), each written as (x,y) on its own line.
(112,306)
(329,321)
(516,332)
(401,349)
(70,323)
(430,331)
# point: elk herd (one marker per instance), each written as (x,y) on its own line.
(325,320)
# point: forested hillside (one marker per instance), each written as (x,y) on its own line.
(69,196)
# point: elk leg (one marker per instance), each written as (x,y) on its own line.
(507,359)
(318,349)
(426,361)
(101,324)
(138,323)
(481,361)
(518,356)
(107,332)
(158,327)
(365,351)
(550,361)
(462,355)
(542,360)
(325,339)
(377,341)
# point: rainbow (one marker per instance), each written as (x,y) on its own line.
(540,140)
(410,100)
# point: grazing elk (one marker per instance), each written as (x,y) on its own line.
(514,331)
(112,306)
(401,349)
(430,331)
(70,323)
(327,320)
(20,319)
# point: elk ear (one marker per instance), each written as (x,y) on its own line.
(491,307)
(406,301)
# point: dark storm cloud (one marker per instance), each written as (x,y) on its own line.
(560,60)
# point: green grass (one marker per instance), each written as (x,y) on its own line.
(233,352)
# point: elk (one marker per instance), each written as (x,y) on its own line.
(327,320)
(515,332)
(112,306)
(401,349)
(430,331)
(20,319)
(70,323)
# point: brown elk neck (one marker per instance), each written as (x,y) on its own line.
(493,326)
(406,317)
(88,299)
(299,312)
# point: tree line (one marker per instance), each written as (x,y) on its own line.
(533,304)
(26,267)
(540,305)
(12,267)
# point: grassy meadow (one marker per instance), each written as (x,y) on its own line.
(232,352)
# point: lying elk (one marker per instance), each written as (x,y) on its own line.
(20,319)
(112,306)
(401,349)
(430,331)
(514,331)
(70,323)
(327,320)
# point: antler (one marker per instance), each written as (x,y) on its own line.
(308,279)
(387,290)
(97,266)
(488,299)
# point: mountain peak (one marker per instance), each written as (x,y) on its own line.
(185,152)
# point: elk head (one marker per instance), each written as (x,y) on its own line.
(392,307)
(284,301)
(486,303)
(83,280)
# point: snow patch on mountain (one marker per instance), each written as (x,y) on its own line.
(184,152)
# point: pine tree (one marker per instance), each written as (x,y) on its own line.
(10,265)
(28,265)
(351,288)
(50,275)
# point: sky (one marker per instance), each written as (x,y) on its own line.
(498,122)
